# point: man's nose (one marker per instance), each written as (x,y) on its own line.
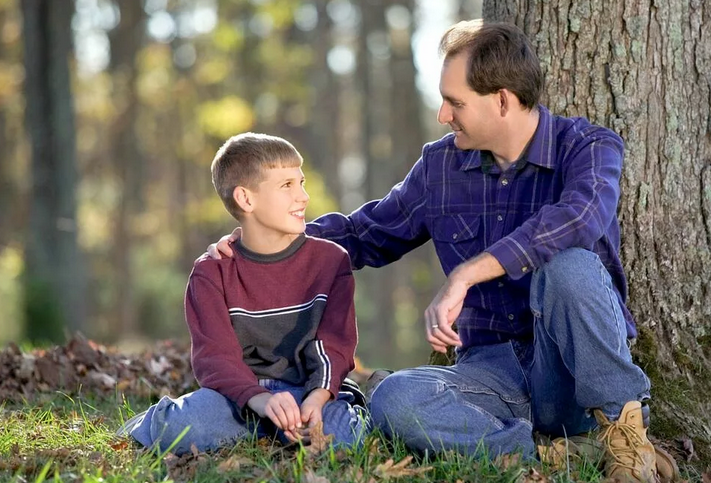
(444,116)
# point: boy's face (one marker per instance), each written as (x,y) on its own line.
(280,201)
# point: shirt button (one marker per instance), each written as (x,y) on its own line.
(501,284)
(500,218)
(524,269)
(511,316)
(505,182)
(454,237)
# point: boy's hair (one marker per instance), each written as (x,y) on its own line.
(242,160)
(500,57)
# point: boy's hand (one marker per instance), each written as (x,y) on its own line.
(222,247)
(311,408)
(281,409)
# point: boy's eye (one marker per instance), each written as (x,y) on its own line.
(287,184)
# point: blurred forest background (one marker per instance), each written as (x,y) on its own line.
(124,105)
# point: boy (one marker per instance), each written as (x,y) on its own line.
(273,328)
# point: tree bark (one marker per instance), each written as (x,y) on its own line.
(643,68)
(54,275)
(125,41)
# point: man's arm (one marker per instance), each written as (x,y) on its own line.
(330,357)
(216,354)
(586,208)
(377,233)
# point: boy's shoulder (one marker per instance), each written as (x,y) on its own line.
(207,266)
(325,247)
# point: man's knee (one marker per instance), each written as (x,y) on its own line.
(570,273)
(399,397)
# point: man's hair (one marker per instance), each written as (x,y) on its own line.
(242,161)
(500,57)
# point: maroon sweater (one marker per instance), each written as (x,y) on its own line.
(287,316)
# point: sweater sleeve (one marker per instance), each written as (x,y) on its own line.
(331,356)
(216,354)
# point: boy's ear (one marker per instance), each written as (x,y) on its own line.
(244,198)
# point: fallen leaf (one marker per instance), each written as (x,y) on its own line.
(706,476)
(234,463)
(119,445)
(391,470)
(310,477)
(194,450)
(506,461)
(319,441)
(688,446)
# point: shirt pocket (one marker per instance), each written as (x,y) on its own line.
(457,238)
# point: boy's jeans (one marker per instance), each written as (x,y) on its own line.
(215,421)
(496,395)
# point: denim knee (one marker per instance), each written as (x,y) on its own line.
(568,274)
(396,400)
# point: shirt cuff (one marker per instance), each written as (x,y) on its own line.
(513,257)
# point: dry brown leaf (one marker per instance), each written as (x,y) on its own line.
(688,446)
(310,477)
(506,461)
(391,470)
(234,463)
(532,476)
(319,441)
(193,449)
(706,476)
(119,445)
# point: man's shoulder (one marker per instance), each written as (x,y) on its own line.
(444,143)
(579,130)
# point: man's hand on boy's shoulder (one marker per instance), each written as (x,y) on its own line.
(281,408)
(222,247)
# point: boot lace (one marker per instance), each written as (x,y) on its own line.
(625,455)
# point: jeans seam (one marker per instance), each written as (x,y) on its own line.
(613,301)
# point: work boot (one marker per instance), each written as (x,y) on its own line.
(629,455)
(561,452)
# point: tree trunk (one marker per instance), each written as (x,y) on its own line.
(643,68)
(54,274)
(125,41)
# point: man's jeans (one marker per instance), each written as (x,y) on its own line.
(215,421)
(496,395)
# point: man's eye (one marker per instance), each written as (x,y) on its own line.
(286,185)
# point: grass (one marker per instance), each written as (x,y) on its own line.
(65,439)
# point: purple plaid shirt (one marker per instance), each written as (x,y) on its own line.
(561,193)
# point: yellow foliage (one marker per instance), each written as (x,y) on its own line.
(227,38)
(224,118)
(213,71)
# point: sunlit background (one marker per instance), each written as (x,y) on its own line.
(158,85)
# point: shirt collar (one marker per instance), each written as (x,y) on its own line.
(539,150)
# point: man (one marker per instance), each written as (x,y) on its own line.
(521,206)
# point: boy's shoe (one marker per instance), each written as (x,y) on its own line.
(349,385)
(629,455)
(128,426)
(374,381)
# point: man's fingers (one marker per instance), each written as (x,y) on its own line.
(292,436)
(213,252)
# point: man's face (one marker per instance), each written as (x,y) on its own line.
(280,202)
(472,117)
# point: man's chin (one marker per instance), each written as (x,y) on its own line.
(460,142)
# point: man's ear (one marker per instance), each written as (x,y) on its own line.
(244,198)
(504,101)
